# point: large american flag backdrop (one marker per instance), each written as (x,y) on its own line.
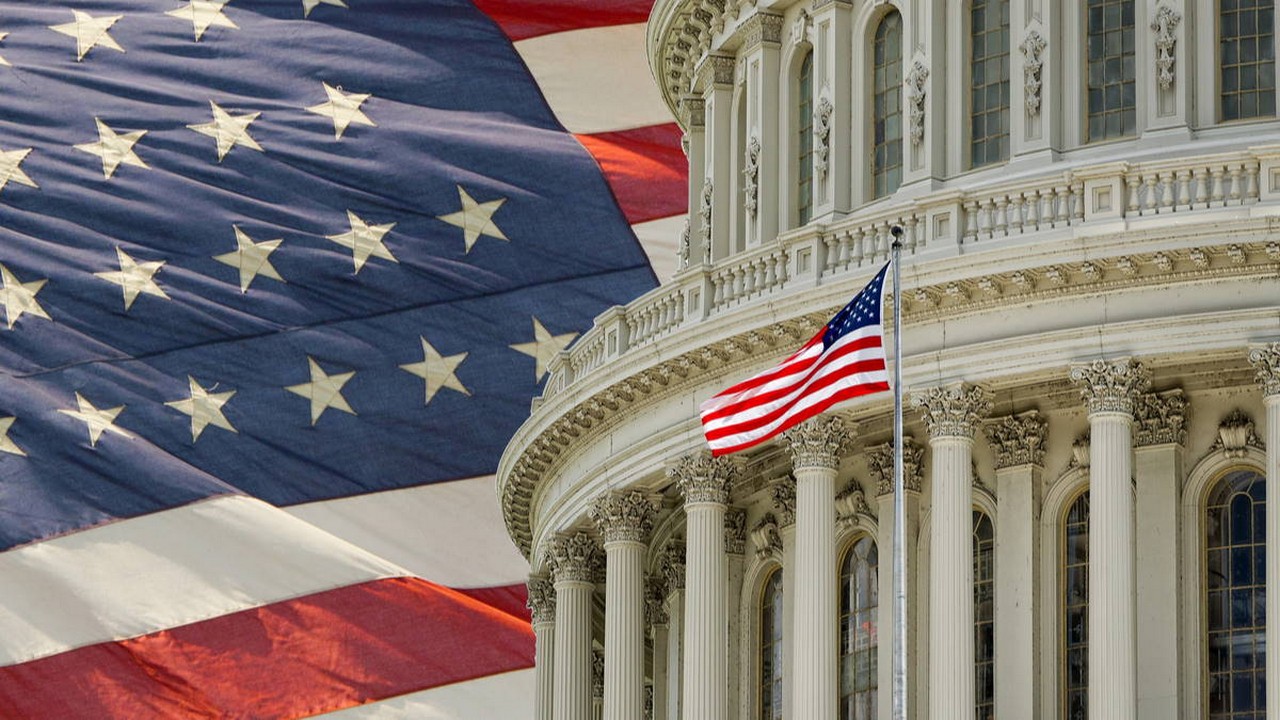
(278,279)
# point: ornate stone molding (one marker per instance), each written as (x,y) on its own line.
(760,27)
(954,410)
(1017,439)
(766,538)
(784,500)
(682,254)
(716,70)
(751,176)
(1265,360)
(703,478)
(1079,453)
(1032,47)
(880,464)
(917,88)
(655,601)
(817,442)
(542,599)
(693,111)
(623,517)
(1111,385)
(597,674)
(1165,26)
(671,565)
(1236,435)
(735,531)
(1161,419)
(851,504)
(801,28)
(704,216)
(822,134)
(575,558)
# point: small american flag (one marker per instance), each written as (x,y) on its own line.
(843,361)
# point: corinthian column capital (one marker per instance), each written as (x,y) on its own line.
(1111,385)
(672,565)
(816,443)
(575,558)
(880,465)
(703,478)
(1017,439)
(1266,363)
(542,599)
(623,517)
(954,410)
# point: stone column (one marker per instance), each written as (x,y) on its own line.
(624,521)
(673,572)
(735,547)
(542,604)
(705,480)
(784,504)
(1017,442)
(1109,389)
(657,619)
(1266,361)
(952,414)
(815,453)
(574,559)
(1160,434)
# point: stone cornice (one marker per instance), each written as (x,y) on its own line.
(1017,439)
(952,411)
(703,478)
(817,442)
(623,517)
(575,558)
(1160,419)
(1108,386)
(880,464)
(1266,363)
(715,71)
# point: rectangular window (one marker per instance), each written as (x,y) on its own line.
(1247,58)
(1112,98)
(804,161)
(989,82)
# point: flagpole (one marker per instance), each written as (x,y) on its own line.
(899,506)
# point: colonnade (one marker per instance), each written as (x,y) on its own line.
(690,669)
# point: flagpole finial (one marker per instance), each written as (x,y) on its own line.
(897,232)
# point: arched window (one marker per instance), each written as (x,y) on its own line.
(859,602)
(1113,109)
(989,82)
(1247,58)
(1075,610)
(984,615)
(770,688)
(886,166)
(804,143)
(1235,530)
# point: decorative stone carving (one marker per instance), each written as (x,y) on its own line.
(542,599)
(880,464)
(751,176)
(1032,47)
(916,91)
(716,70)
(784,500)
(1236,435)
(1160,419)
(761,27)
(576,557)
(682,256)
(800,29)
(648,701)
(694,113)
(655,601)
(1165,26)
(1266,364)
(765,537)
(851,503)
(597,675)
(1079,452)
(1111,385)
(623,517)
(703,478)
(1017,439)
(817,442)
(735,531)
(952,411)
(704,215)
(672,565)
(822,134)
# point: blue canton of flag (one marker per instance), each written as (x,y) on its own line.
(862,310)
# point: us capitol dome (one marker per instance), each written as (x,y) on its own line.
(1089,194)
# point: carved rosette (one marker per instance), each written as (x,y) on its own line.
(880,463)
(784,500)
(822,134)
(1266,364)
(735,531)
(766,538)
(576,558)
(816,443)
(1236,435)
(851,503)
(623,517)
(703,478)
(917,86)
(672,565)
(1017,439)
(953,411)
(1032,47)
(655,601)
(1161,419)
(542,599)
(1111,385)
(751,176)
(1165,26)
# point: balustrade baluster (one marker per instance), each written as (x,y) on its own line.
(1184,190)
(971,221)
(1251,182)
(1016,206)
(1237,187)
(1001,227)
(915,238)
(1216,190)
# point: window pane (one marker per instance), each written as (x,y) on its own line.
(770,653)
(1075,607)
(804,144)
(1246,57)
(887,106)
(859,580)
(1112,107)
(989,81)
(984,615)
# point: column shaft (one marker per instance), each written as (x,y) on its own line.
(624,630)
(573,651)
(706,672)
(1112,602)
(951,657)
(1016,569)
(544,684)
(660,672)
(815,619)
(1159,476)
(675,655)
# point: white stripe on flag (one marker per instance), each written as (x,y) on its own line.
(507,695)
(661,242)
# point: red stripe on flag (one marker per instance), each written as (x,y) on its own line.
(510,599)
(811,412)
(522,19)
(290,659)
(646,169)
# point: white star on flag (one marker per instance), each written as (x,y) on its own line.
(364,240)
(251,258)
(89,32)
(324,391)
(544,347)
(228,130)
(309,5)
(203,14)
(98,421)
(114,148)
(11,170)
(7,445)
(437,370)
(343,108)
(18,297)
(204,407)
(134,278)
(3,35)
(475,218)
